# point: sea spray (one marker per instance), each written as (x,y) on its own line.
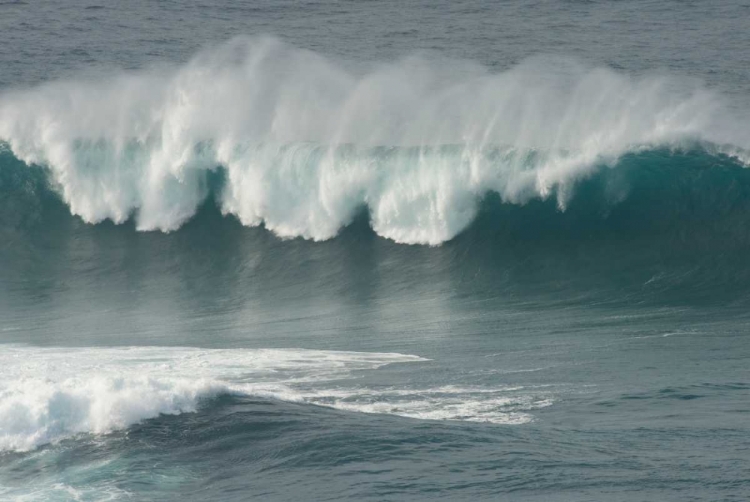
(305,143)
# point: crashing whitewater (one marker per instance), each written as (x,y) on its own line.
(304,143)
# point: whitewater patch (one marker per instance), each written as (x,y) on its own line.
(50,394)
(306,143)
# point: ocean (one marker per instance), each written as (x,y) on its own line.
(382,250)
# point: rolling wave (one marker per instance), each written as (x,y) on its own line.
(661,224)
(299,144)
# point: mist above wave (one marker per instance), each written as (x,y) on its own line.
(306,143)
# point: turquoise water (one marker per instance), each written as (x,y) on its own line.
(370,251)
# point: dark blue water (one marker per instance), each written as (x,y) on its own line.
(321,251)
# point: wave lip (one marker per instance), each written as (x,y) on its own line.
(306,143)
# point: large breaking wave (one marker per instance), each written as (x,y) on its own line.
(302,143)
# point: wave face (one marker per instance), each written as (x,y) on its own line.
(302,144)
(661,224)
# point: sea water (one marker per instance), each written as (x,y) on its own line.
(374,250)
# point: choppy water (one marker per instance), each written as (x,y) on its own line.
(374,251)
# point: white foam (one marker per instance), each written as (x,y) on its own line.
(306,142)
(35,411)
(498,405)
(49,394)
(44,491)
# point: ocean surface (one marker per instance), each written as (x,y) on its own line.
(375,250)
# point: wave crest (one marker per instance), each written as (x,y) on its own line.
(305,142)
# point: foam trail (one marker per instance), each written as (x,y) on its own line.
(50,394)
(306,143)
